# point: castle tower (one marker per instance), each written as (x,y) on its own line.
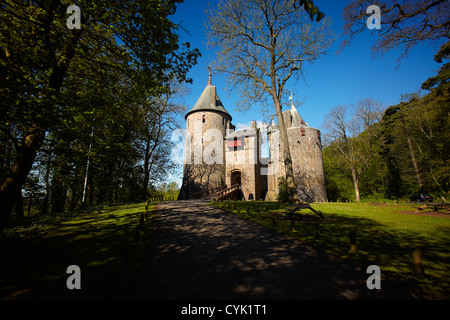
(204,157)
(306,153)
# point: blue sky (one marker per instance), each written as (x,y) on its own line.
(332,80)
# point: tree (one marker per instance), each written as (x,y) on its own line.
(353,136)
(416,142)
(158,118)
(261,45)
(38,52)
(338,178)
(403,23)
(443,74)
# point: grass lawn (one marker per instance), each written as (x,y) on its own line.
(106,244)
(386,235)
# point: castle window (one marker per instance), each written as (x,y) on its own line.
(223,121)
(204,118)
(234,144)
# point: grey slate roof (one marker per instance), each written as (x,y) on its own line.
(242,133)
(205,102)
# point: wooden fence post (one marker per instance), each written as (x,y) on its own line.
(292,223)
(418,263)
(353,247)
(146,208)
(316,231)
(141,222)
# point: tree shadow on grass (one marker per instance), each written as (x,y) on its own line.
(201,252)
(105,246)
(381,245)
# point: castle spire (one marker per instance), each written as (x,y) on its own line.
(209,77)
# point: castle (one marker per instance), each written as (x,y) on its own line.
(219,157)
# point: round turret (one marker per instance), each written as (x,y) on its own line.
(305,147)
(204,157)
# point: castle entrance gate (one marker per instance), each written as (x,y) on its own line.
(236,179)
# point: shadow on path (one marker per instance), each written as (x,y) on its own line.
(201,252)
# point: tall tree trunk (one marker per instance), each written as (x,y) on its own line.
(284,142)
(10,188)
(285,153)
(355,183)
(35,135)
(146,170)
(414,161)
(85,185)
(18,208)
(149,154)
(46,200)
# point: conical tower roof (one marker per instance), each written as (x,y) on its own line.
(297,120)
(209,101)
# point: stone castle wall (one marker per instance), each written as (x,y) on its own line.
(243,161)
(306,153)
(209,162)
(204,157)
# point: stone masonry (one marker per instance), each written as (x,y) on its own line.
(216,154)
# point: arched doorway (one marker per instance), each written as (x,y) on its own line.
(236,179)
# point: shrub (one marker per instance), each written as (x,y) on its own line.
(283,191)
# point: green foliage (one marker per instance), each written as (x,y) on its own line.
(416,144)
(338,179)
(410,151)
(80,96)
(443,74)
(285,194)
(166,190)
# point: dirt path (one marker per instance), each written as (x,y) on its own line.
(201,252)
